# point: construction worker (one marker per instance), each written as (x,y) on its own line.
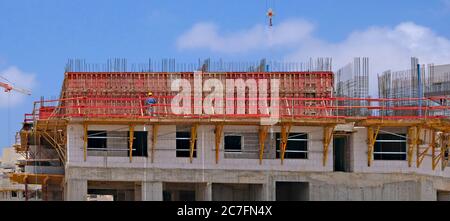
(149,102)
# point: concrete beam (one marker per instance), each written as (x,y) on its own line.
(76,190)
(203,192)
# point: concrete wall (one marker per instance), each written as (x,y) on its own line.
(322,185)
(384,180)
(165,152)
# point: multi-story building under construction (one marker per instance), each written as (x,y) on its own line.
(101,139)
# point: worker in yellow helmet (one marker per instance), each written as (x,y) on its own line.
(150,102)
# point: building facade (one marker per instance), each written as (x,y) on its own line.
(109,146)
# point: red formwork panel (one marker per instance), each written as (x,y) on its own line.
(96,89)
(291,82)
(45,112)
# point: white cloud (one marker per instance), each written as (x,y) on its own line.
(207,36)
(387,47)
(20,79)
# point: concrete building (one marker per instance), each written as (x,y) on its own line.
(110,146)
(11,191)
(238,174)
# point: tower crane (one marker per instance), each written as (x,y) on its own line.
(270,4)
(8,87)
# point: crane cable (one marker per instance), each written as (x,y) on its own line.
(6,80)
(9,118)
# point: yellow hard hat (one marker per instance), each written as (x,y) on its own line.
(150,93)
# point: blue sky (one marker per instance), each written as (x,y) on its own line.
(37,37)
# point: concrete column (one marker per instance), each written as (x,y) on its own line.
(137,192)
(76,190)
(203,192)
(427,191)
(268,191)
(152,191)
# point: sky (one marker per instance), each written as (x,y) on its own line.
(38,36)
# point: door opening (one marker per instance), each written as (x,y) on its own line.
(341,153)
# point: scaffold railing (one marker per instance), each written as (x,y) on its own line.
(229,108)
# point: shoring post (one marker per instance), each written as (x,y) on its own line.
(418,130)
(421,155)
(193,141)
(327,137)
(218,134)
(262,139)
(371,139)
(411,144)
(85,140)
(130,142)
(154,140)
(435,158)
(285,130)
(445,150)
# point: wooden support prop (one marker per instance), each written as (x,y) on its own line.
(327,137)
(422,154)
(130,142)
(371,139)
(441,157)
(436,158)
(218,132)
(411,144)
(154,140)
(285,130)
(418,143)
(85,140)
(262,139)
(445,149)
(193,141)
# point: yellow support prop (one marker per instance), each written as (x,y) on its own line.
(421,155)
(192,144)
(371,139)
(435,158)
(154,140)
(411,144)
(418,143)
(285,130)
(327,137)
(131,142)
(85,140)
(218,133)
(445,149)
(262,139)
